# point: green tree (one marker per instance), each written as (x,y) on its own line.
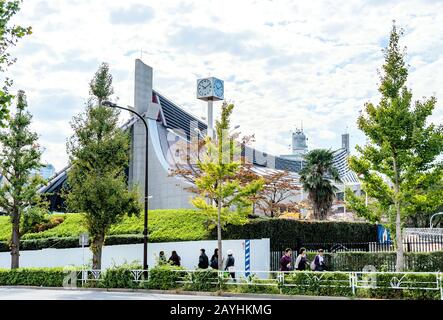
(317,178)
(220,179)
(19,156)
(99,154)
(398,165)
(9,36)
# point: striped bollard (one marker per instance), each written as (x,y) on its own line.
(247,258)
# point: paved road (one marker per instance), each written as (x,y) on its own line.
(65,294)
(14,293)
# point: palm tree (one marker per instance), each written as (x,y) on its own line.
(317,177)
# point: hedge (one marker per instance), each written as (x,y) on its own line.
(295,283)
(41,277)
(385,261)
(285,231)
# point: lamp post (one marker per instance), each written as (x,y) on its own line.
(145,226)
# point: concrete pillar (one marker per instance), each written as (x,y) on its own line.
(142,103)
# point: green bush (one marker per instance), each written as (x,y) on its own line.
(415,281)
(317,283)
(41,277)
(165,277)
(384,261)
(286,231)
(256,285)
(119,277)
(202,280)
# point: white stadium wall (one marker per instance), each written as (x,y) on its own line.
(189,252)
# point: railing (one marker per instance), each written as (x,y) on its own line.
(351,281)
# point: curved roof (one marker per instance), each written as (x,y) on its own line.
(178,120)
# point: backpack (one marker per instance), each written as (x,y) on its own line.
(312,265)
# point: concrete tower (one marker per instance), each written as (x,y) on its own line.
(299,146)
(142,103)
(345,141)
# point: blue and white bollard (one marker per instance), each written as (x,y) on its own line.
(247,258)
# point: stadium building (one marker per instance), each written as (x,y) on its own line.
(170,126)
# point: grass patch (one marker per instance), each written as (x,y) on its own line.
(164,225)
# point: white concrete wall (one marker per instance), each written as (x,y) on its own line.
(189,252)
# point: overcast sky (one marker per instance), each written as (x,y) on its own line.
(283,62)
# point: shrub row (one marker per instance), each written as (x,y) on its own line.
(41,277)
(295,283)
(384,261)
(285,231)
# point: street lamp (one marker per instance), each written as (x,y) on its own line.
(145,227)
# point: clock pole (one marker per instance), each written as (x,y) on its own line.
(210,119)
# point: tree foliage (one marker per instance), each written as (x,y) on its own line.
(317,178)
(9,36)
(276,193)
(99,154)
(220,178)
(19,156)
(398,166)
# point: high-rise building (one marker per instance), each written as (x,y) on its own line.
(299,146)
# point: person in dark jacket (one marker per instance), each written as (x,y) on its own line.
(301,262)
(230,264)
(203,261)
(319,261)
(214,260)
(174,259)
(285,261)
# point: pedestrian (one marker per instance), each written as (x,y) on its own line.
(214,260)
(174,259)
(285,261)
(230,264)
(319,262)
(301,261)
(203,261)
(161,258)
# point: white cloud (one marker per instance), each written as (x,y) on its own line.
(283,61)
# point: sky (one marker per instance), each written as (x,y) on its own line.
(284,63)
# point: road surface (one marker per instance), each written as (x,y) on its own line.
(66,294)
(17,293)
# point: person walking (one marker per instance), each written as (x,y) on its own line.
(203,261)
(301,261)
(214,260)
(319,262)
(174,259)
(285,261)
(161,258)
(230,264)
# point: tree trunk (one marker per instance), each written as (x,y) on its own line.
(15,243)
(399,266)
(399,238)
(219,236)
(97,247)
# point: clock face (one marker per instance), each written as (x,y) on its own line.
(204,88)
(218,88)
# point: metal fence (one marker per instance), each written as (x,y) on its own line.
(412,243)
(353,281)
